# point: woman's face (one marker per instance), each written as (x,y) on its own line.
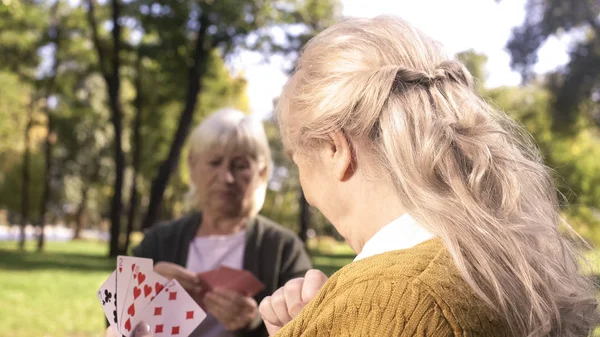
(225,184)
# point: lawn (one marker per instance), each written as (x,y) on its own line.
(53,294)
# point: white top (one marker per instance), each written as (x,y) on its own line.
(208,253)
(402,233)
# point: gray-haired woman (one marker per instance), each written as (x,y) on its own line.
(229,163)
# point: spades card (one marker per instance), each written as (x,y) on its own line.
(144,287)
(107,296)
(128,268)
(172,313)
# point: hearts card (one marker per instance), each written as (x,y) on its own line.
(172,313)
(143,288)
(128,268)
(135,293)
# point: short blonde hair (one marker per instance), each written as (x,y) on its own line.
(462,168)
(234,132)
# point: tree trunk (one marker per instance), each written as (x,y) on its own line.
(54,33)
(196,72)
(137,148)
(114,89)
(305,215)
(47,189)
(113,83)
(26,178)
(80,216)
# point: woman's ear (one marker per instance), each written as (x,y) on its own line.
(263,172)
(341,156)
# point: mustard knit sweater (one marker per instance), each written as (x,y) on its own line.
(412,292)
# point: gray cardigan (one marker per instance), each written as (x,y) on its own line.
(274,254)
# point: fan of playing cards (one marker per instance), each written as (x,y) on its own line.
(135,293)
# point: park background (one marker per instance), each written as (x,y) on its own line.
(97,98)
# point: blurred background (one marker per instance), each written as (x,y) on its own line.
(97,98)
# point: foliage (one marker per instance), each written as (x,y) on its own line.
(579,81)
(572,157)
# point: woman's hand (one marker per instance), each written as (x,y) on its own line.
(141,330)
(188,280)
(233,310)
(287,301)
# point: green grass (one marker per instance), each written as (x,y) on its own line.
(54,293)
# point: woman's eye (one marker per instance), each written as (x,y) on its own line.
(215,163)
(238,166)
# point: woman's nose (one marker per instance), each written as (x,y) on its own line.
(226,176)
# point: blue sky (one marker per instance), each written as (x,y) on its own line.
(482,25)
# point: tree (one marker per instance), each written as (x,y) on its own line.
(475,62)
(54,34)
(20,27)
(137,144)
(112,77)
(579,81)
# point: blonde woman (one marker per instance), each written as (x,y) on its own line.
(229,163)
(445,199)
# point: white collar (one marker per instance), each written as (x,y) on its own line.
(402,233)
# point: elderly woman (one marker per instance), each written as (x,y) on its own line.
(452,213)
(229,162)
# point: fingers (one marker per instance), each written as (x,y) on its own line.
(226,295)
(233,310)
(313,282)
(287,301)
(184,275)
(269,316)
(188,280)
(274,310)
(215,305)
(110,332)
(193,288)
(142,330)
(271,328)
(280,307)
(216,299)
(292,292)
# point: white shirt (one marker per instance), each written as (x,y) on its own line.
(402,233)
(208,253)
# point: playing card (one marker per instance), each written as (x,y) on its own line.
(127,269)
(145,285)
(210,279)
(107,297)
(241,281)
(172,313)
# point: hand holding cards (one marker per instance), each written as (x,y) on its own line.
(240,281)
(134,293)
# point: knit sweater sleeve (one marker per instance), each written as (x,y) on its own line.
(373,308)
